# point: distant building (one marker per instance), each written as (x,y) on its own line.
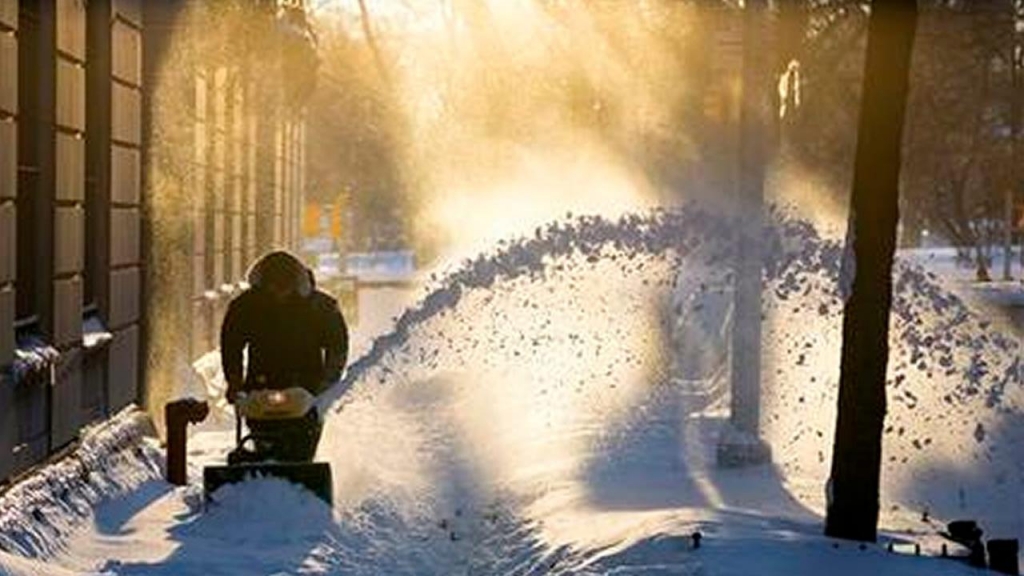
(141,169)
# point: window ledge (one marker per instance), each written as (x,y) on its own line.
(32,356)
(95,335)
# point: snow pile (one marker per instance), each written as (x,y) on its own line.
(113,459)
(246,505)
(258,528)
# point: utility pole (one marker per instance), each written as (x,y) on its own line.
(741,443)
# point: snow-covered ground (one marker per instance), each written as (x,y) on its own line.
(1002,292)
(525,417)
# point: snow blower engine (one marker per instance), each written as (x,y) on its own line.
(283,432)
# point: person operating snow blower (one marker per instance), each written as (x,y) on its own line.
(296,343)
(296,338)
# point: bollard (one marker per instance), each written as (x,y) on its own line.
(178,415)
(1002,556)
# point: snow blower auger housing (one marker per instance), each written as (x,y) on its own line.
(284,428)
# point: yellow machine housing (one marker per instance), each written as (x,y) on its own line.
(275,404)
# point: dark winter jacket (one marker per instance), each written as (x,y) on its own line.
(300,341)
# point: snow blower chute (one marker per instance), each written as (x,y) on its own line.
(283,433)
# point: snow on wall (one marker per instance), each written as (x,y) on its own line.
(112,459)
(94,333)
(33,354)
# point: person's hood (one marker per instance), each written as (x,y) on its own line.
(285,264)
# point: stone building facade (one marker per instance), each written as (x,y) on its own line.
(119,245)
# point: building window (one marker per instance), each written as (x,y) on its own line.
(30,137)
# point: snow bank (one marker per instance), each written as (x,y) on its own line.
(38,513)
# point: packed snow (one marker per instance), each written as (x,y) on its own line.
(113,461)
(531,415)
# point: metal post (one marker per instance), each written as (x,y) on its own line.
(177,416)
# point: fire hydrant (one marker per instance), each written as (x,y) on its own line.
(178,415)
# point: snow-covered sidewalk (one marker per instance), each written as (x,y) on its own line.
(637,500)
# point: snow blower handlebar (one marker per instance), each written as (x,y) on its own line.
(238,428)
(269,405)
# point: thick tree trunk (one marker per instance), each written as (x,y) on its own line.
(857,449)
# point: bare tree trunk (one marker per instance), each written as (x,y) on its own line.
(857,449)
(1017,112)
(1008,226)
(1017,51)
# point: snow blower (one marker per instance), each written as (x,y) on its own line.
(280,444)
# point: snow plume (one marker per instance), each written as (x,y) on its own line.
(793,249)
(38,513)
(954,399)
(952,373)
